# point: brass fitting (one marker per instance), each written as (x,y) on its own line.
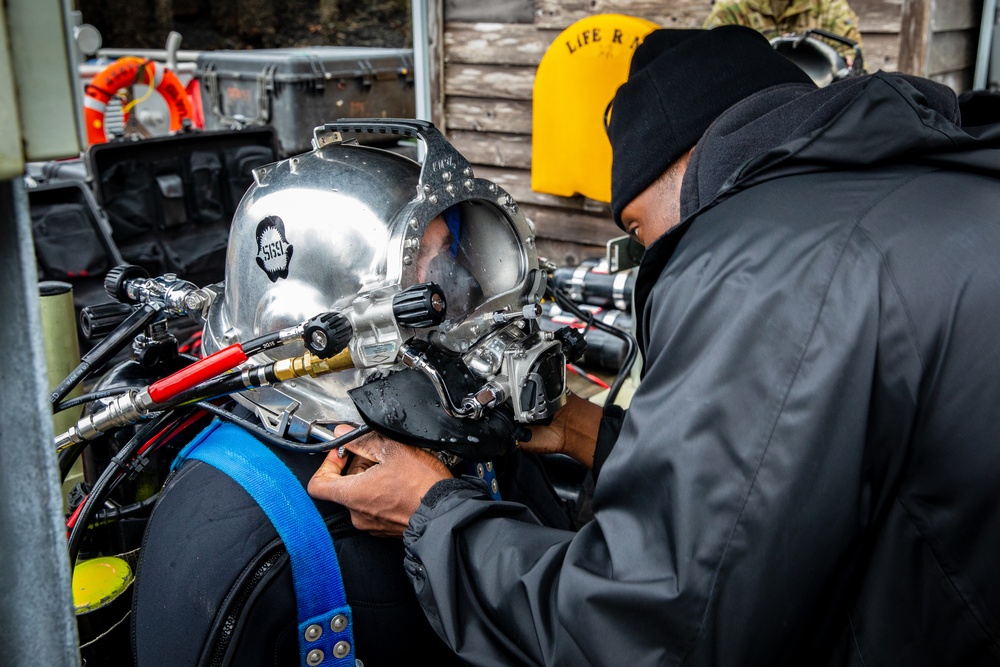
(311,365)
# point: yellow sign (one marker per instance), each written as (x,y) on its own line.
(575,81)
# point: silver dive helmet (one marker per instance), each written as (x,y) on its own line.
(380,238)
(817,58)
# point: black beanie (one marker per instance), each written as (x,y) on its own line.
(678,83)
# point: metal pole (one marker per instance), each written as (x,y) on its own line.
(985,44)
(421,64)
(39,627)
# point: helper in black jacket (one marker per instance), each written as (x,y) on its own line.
(809,471)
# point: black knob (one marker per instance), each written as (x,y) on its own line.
(327,334)
(574,344)
(419,306)
(99,320)
(114,281)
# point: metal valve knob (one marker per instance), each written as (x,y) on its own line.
(574,343)
(327,334)
(419,306)
(116,279)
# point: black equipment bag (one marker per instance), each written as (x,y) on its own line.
(72,238)
(214,585)
(170,200)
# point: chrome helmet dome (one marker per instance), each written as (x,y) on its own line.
(348,228)
(822,62)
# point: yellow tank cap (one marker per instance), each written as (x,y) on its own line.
(98,581)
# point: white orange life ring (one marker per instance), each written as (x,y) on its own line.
(123,73)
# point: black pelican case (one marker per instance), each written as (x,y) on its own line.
(298,89)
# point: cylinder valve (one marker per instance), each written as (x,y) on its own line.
(327,334)
(117,278)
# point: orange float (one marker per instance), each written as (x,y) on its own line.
(124,73)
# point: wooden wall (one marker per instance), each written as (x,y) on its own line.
(941,40)
(487,52)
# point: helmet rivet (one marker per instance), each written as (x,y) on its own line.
(467,172)
(445,176)
(480,470)
(314,632)
(338,623)
(450,189)
(315,656)
(433,199)
(341,648)
(468,184)
(489,466)
(413,223)
(493,485)
(407,260)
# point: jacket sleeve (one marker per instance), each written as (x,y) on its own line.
(730,500)
(607,436)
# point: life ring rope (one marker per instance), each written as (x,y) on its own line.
(124,73)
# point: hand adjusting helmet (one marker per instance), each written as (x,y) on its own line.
(436,271)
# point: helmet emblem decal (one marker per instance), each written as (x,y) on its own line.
(274,253)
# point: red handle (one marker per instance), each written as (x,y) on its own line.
(190,376)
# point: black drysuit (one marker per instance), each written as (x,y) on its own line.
(809,471)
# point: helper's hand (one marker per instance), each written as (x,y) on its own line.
(573,432)
(383,485)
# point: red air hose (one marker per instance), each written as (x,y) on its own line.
(198,372)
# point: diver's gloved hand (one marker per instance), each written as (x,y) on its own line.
(573,431)
(383,484)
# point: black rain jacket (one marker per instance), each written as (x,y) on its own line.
(809,471)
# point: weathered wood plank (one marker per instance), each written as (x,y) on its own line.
(955,15)
(486,115)
(873,15)
(500,44)
(503,82)
(567,253)
(881,51)
(518,183)
(952,51)
(506,11)
(877,15)
(576,226)
(913,37)
(560,14)
(496,43)
(490,148)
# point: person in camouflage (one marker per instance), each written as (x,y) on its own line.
(774,18)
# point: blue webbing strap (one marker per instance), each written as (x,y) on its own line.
(324,617)
(452,219)
(485,472)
